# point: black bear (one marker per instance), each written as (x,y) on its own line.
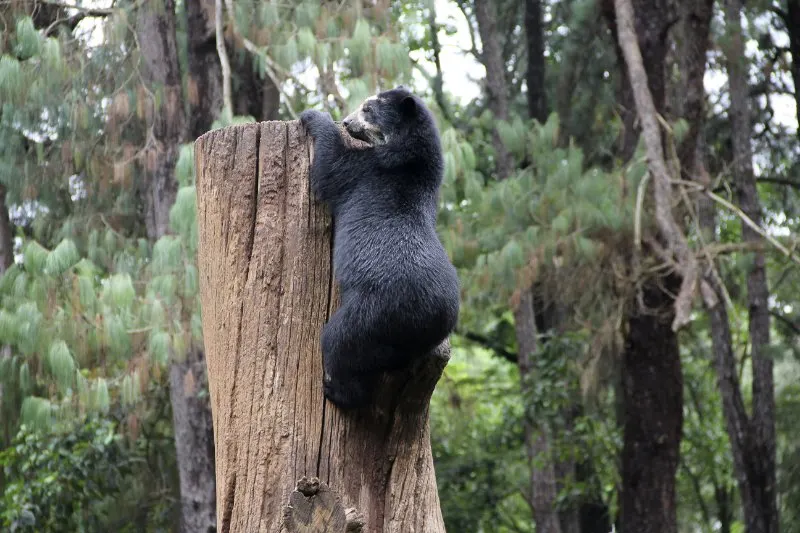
(399,291)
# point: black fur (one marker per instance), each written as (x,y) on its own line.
(400,293)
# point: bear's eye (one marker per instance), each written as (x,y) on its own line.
(367,109)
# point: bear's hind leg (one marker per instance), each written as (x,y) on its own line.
(353,356)
(341,347)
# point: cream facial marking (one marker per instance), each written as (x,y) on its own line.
(361,128)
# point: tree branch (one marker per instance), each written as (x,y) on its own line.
(743,216)
(648,116)
(227,101)
(786,321)
(489,344)
(87,11)
(72,21)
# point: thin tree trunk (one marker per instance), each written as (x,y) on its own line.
(546,473)
(543,488)
(496,90)
(156,36)
(436,48)
(6,234)
(267,288)
(761,510)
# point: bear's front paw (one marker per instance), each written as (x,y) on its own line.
(350,395)
(311,119)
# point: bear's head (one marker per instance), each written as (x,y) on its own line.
(387,117)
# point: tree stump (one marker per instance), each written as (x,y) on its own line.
(286,459)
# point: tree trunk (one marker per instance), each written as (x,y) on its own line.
(651,24)
(194,443)
(652,387)
(6,234)
(534,77)
(543,488)
(792,20)
(695,24)
(267,288)
(437,84)
(255,96)
(166,126)
(155,30)
(205,73)
(496,90)
(760,508)
(652,382)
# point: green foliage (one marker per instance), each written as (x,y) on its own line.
(476,435)
(76,477)
(552,222)
(94,334)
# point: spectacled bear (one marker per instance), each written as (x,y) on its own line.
(399,290)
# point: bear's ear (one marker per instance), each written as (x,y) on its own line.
(408,106)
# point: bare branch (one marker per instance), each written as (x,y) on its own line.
(227,101)
(648,116)
(786,321)
(743,216)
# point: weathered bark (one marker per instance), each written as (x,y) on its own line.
(267,288)
(543,488)
(652,386)
(155,29)
(205,75)
(496,90)
(534,77)
(156,36)
(6,234)
(759,489)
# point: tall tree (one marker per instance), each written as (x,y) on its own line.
(161,77)
(495,81)
(543,487)
(166,130)
(652,382)
(752,438)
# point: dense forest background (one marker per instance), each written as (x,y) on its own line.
(622,201)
